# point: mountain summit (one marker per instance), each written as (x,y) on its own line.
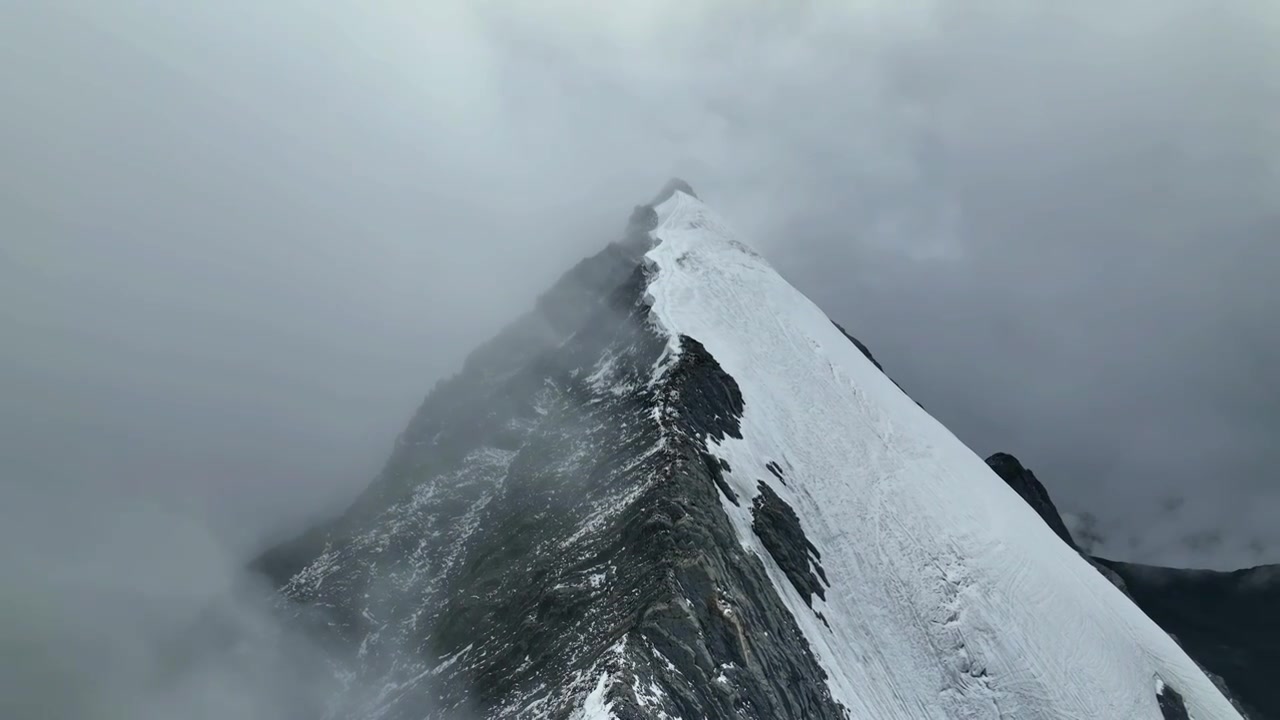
(676,489)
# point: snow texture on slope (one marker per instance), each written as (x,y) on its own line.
(1227,621)
(948,597)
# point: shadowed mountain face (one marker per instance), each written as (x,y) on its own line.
(1229,622)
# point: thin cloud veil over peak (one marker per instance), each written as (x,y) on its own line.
(241,240)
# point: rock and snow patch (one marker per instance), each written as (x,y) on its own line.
(1171,703)
(948,597)
(595,707)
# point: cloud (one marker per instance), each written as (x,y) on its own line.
(242,239)
(1099,300)
(115,608)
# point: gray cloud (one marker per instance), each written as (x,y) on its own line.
(1099,295)
(242,239)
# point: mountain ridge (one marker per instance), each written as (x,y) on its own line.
(677,489)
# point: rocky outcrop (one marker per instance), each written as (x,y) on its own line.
(778,528)
(1172,706)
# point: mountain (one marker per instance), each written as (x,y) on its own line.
(1227,621)
(676,489)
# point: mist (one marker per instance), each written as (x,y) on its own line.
(240,241)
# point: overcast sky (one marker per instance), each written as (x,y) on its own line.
(240,240)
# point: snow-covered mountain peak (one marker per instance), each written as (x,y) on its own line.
(677,490)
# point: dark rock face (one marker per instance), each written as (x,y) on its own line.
(704,399)
(1226,621)
(778,527)
(551,515)
(776,470)
(717,467)
(1172,706)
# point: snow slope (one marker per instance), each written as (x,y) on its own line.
(948,597)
